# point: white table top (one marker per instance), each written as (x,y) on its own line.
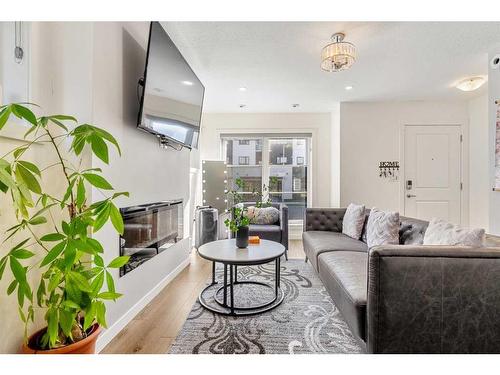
(226,251)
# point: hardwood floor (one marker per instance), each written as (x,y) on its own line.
(154,329)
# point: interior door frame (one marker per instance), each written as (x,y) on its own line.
(464,166)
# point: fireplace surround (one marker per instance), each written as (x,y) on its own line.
(150,229)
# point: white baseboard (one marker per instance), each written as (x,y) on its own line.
(107,335)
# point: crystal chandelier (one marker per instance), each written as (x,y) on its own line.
(338,55)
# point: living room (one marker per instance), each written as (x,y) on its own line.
(279,185)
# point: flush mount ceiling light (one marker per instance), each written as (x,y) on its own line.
(471,84)
(242,89)
(187,83)
(348,88)
(338,55)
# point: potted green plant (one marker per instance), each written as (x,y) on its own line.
(239,220)
(70,289)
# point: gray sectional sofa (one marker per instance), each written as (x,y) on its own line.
(408,298)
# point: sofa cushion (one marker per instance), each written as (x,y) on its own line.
(382,228)
(353,221)
(412,231)
(266,232)
(344,274)
(440,232)
(318,242)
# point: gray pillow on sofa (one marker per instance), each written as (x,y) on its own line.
(263,215)
(353,221)
(382,228)
(440,232)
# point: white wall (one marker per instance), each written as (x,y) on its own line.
(149,173)
(319,124)
(370,133)
(479,155)
(493,94)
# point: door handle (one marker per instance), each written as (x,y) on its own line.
(410,196)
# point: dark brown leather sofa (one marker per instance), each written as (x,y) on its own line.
(408,298)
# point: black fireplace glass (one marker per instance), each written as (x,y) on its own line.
(150,229)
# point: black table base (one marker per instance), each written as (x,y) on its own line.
(224,296)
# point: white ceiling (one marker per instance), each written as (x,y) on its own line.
(279,62)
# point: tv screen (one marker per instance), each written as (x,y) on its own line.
(172,97)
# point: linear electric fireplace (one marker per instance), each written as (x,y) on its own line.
(149,230)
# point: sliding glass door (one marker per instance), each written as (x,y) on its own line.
(276,166)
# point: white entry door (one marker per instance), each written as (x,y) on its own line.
(432,172)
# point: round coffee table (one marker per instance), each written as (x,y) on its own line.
(226,252)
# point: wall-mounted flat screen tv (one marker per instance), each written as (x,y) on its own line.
(172,98)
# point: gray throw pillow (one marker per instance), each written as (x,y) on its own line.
(382,228)
(263,216)
(440,232)
(354,218)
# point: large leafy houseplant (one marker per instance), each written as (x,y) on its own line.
(70,288)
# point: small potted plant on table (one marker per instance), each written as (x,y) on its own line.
(70,289)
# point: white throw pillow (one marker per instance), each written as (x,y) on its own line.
(440,232)
(354,218)
(382,228)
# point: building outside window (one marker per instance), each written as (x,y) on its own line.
(300,160)
(244,142)
(243,160)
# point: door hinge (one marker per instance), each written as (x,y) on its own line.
(461,186)
(461,138)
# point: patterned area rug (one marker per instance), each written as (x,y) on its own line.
(306,322)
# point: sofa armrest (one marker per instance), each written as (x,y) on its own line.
(324,219)
(284,224)
(433,299)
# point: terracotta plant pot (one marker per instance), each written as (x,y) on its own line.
(85,346)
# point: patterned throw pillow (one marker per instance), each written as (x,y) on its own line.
(440,232)
(354,218)
(264,215)
(382,228)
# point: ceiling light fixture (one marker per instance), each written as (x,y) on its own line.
(348,88)
(471,84)
(187,83)
(242,89)
(338,55)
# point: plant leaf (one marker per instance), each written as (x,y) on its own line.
(97,181)
(38,220)
(28,178)
(116,218)
(25,113)
(110,282)
(30,166)
(97,284)
(22,254)
(12,287)
(4,116)
(99,148)
(18,270)
(108,137)
(90,314)
(98,261)
(51,237)
(119,261)
(80,193)
(53,253)
(109,295)
(95,245)
(102,218)
(80,281)
(3,264)
(101,314)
